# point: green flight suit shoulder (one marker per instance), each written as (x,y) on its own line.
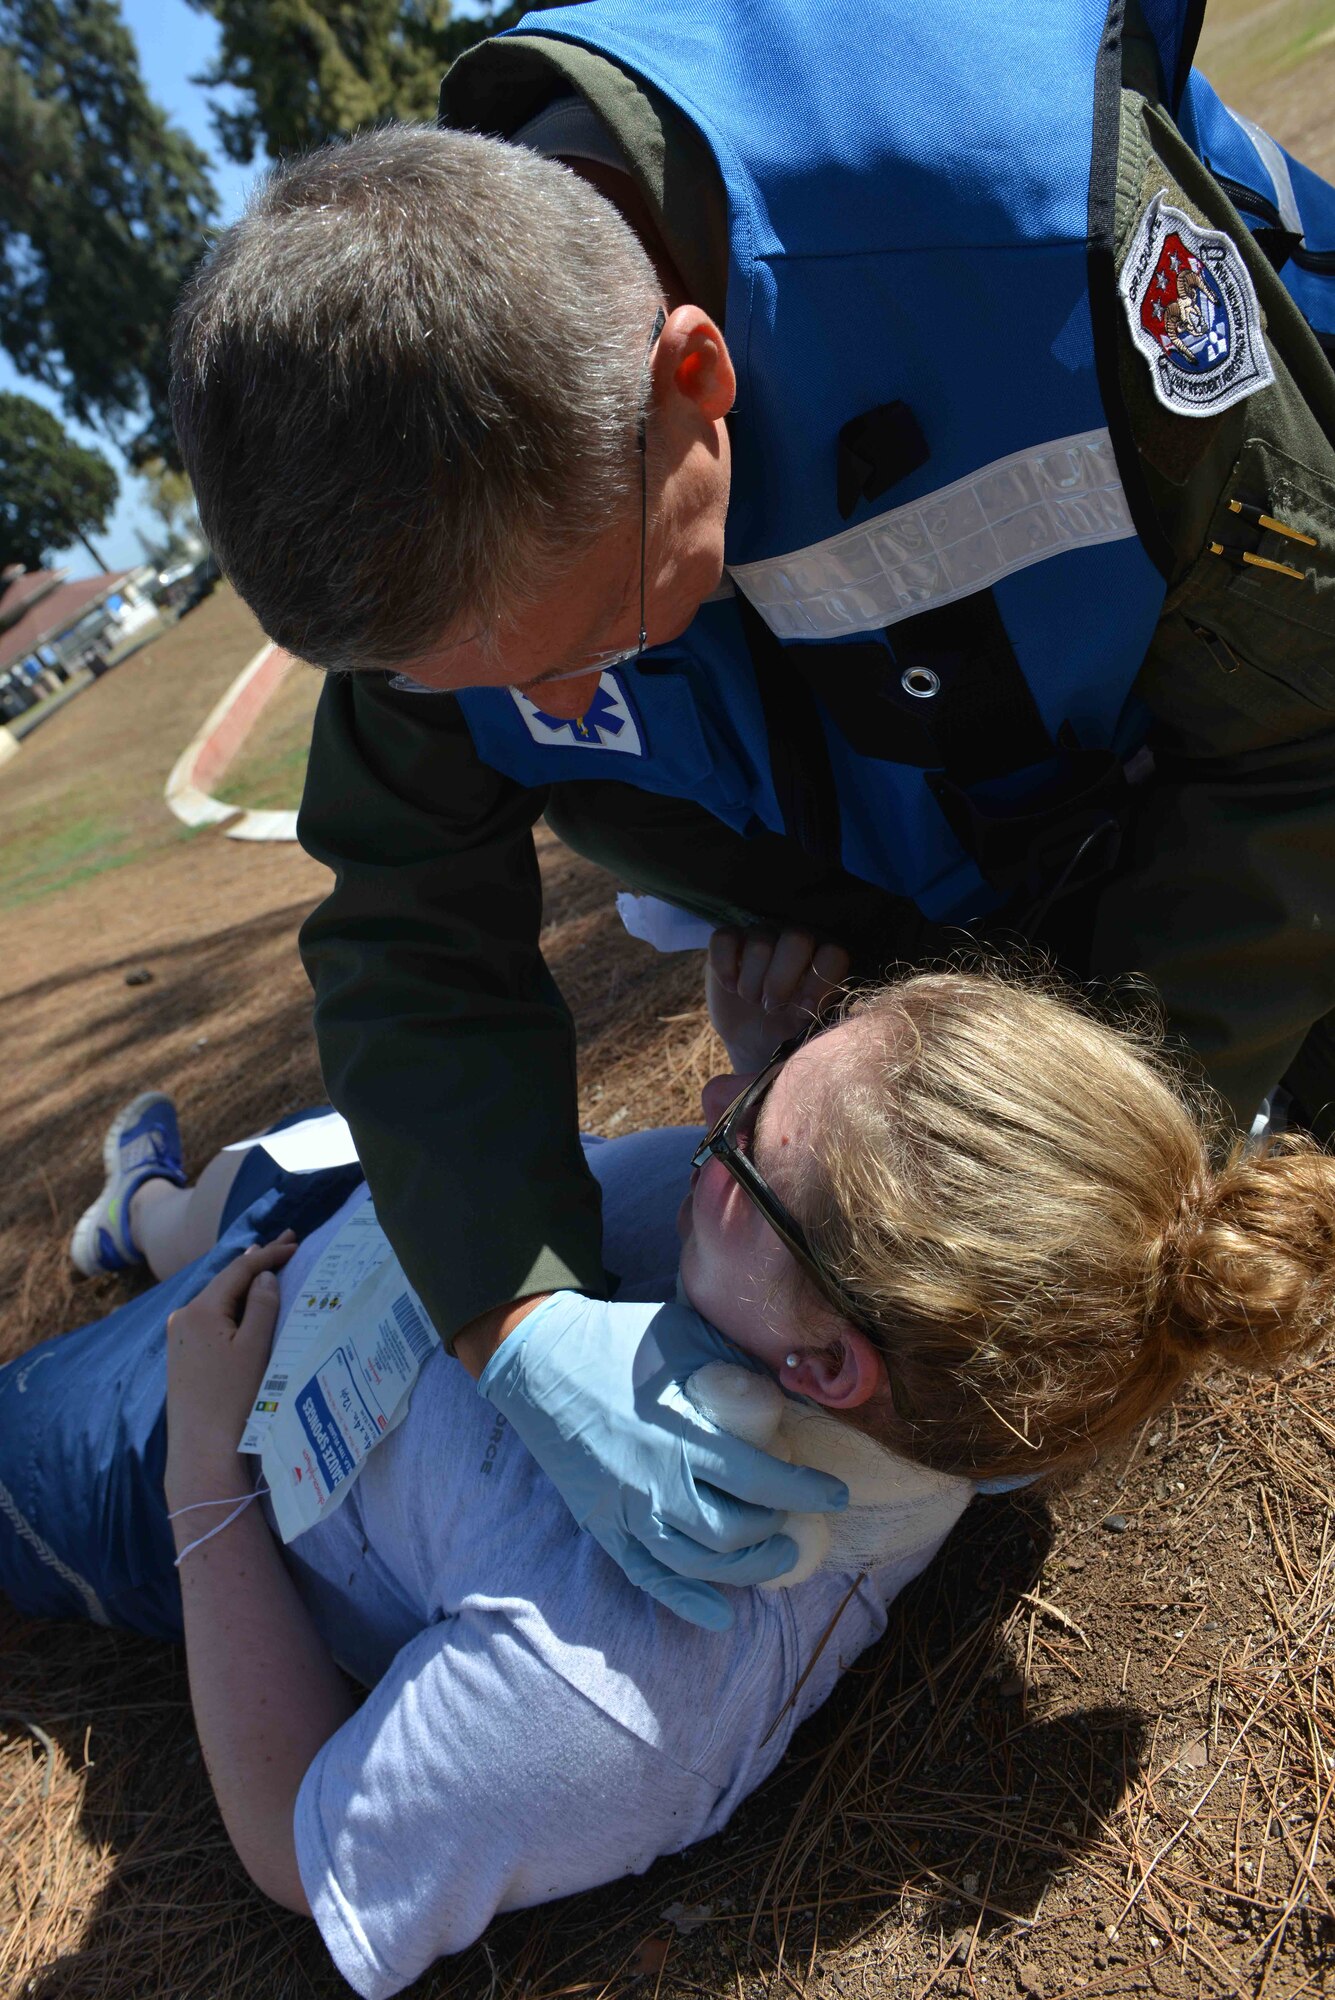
(499,85)
(1226,896)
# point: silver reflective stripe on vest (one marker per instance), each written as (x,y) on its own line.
(1019,510)
(1275,164)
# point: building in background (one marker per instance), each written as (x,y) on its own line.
(50,628)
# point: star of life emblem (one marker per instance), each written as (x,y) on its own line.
(1193,313)
(608,723)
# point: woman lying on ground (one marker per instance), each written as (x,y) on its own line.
(966,1222)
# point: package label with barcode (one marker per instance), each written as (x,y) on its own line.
(339,1378)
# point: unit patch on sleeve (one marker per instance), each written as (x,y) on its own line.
(1193,313)
(608,723)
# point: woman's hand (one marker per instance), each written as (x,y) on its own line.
(763,988)
(217,1350)
(265,1691)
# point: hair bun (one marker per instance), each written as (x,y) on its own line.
(1246,1268)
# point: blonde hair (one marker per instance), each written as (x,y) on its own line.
(1023,1203)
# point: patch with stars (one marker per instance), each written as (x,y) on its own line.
(1193,313)
(608,723)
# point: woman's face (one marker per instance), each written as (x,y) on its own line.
(734,1269)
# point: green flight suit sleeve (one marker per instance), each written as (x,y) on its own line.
(442,1036)
(1226,896)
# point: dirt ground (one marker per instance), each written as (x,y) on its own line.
(1095,1753)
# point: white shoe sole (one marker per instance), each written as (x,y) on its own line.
(83,1243)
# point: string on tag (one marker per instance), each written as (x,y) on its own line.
(243,1499)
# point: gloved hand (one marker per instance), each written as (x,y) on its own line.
(596,1392)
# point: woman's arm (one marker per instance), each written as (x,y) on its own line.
(265,1691)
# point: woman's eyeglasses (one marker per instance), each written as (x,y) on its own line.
(729,1141)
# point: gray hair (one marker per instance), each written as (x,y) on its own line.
(406,386)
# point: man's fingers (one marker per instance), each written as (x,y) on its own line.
(725,1470)
(717,1521)
(698,1603)
(758,1562)
(802,1490)
(752,1475)
(788,967)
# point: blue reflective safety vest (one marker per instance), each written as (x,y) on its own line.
(944,571)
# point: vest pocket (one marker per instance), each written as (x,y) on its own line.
(1250,632)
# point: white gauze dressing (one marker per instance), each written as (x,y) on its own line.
(894,1506)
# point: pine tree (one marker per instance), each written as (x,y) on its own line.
(172,498)
(104,208)
(311,70)
(53,492)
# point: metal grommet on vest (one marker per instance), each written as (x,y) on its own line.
(920,682)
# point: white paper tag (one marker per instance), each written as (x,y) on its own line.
(1193,313)
(340,1376)
(307,1148)
(357,1252)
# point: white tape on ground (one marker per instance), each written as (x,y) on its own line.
(213,747)
(257,824)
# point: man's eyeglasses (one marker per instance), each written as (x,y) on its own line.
(729,1141)
(621,656)
(626,656)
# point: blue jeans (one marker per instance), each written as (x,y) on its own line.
(83,1430)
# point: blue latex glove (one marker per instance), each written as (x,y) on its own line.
(597,1393)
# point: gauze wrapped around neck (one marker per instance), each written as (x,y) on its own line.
(895,1507)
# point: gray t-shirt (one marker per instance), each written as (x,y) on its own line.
(536,1725)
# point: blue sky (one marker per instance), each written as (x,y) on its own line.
(174,44)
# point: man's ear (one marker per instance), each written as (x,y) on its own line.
(843,1375)
(691,362)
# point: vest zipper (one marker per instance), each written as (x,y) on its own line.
(1247,199)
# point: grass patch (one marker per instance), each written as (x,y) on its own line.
(64,852)
(84,795)
(1315,33)
(270,768)
(70,852)
(270,781)
(1240,47)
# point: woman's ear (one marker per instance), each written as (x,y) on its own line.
(842,1375)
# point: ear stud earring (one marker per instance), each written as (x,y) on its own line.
(791,1360)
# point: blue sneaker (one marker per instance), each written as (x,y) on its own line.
(143,1144)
